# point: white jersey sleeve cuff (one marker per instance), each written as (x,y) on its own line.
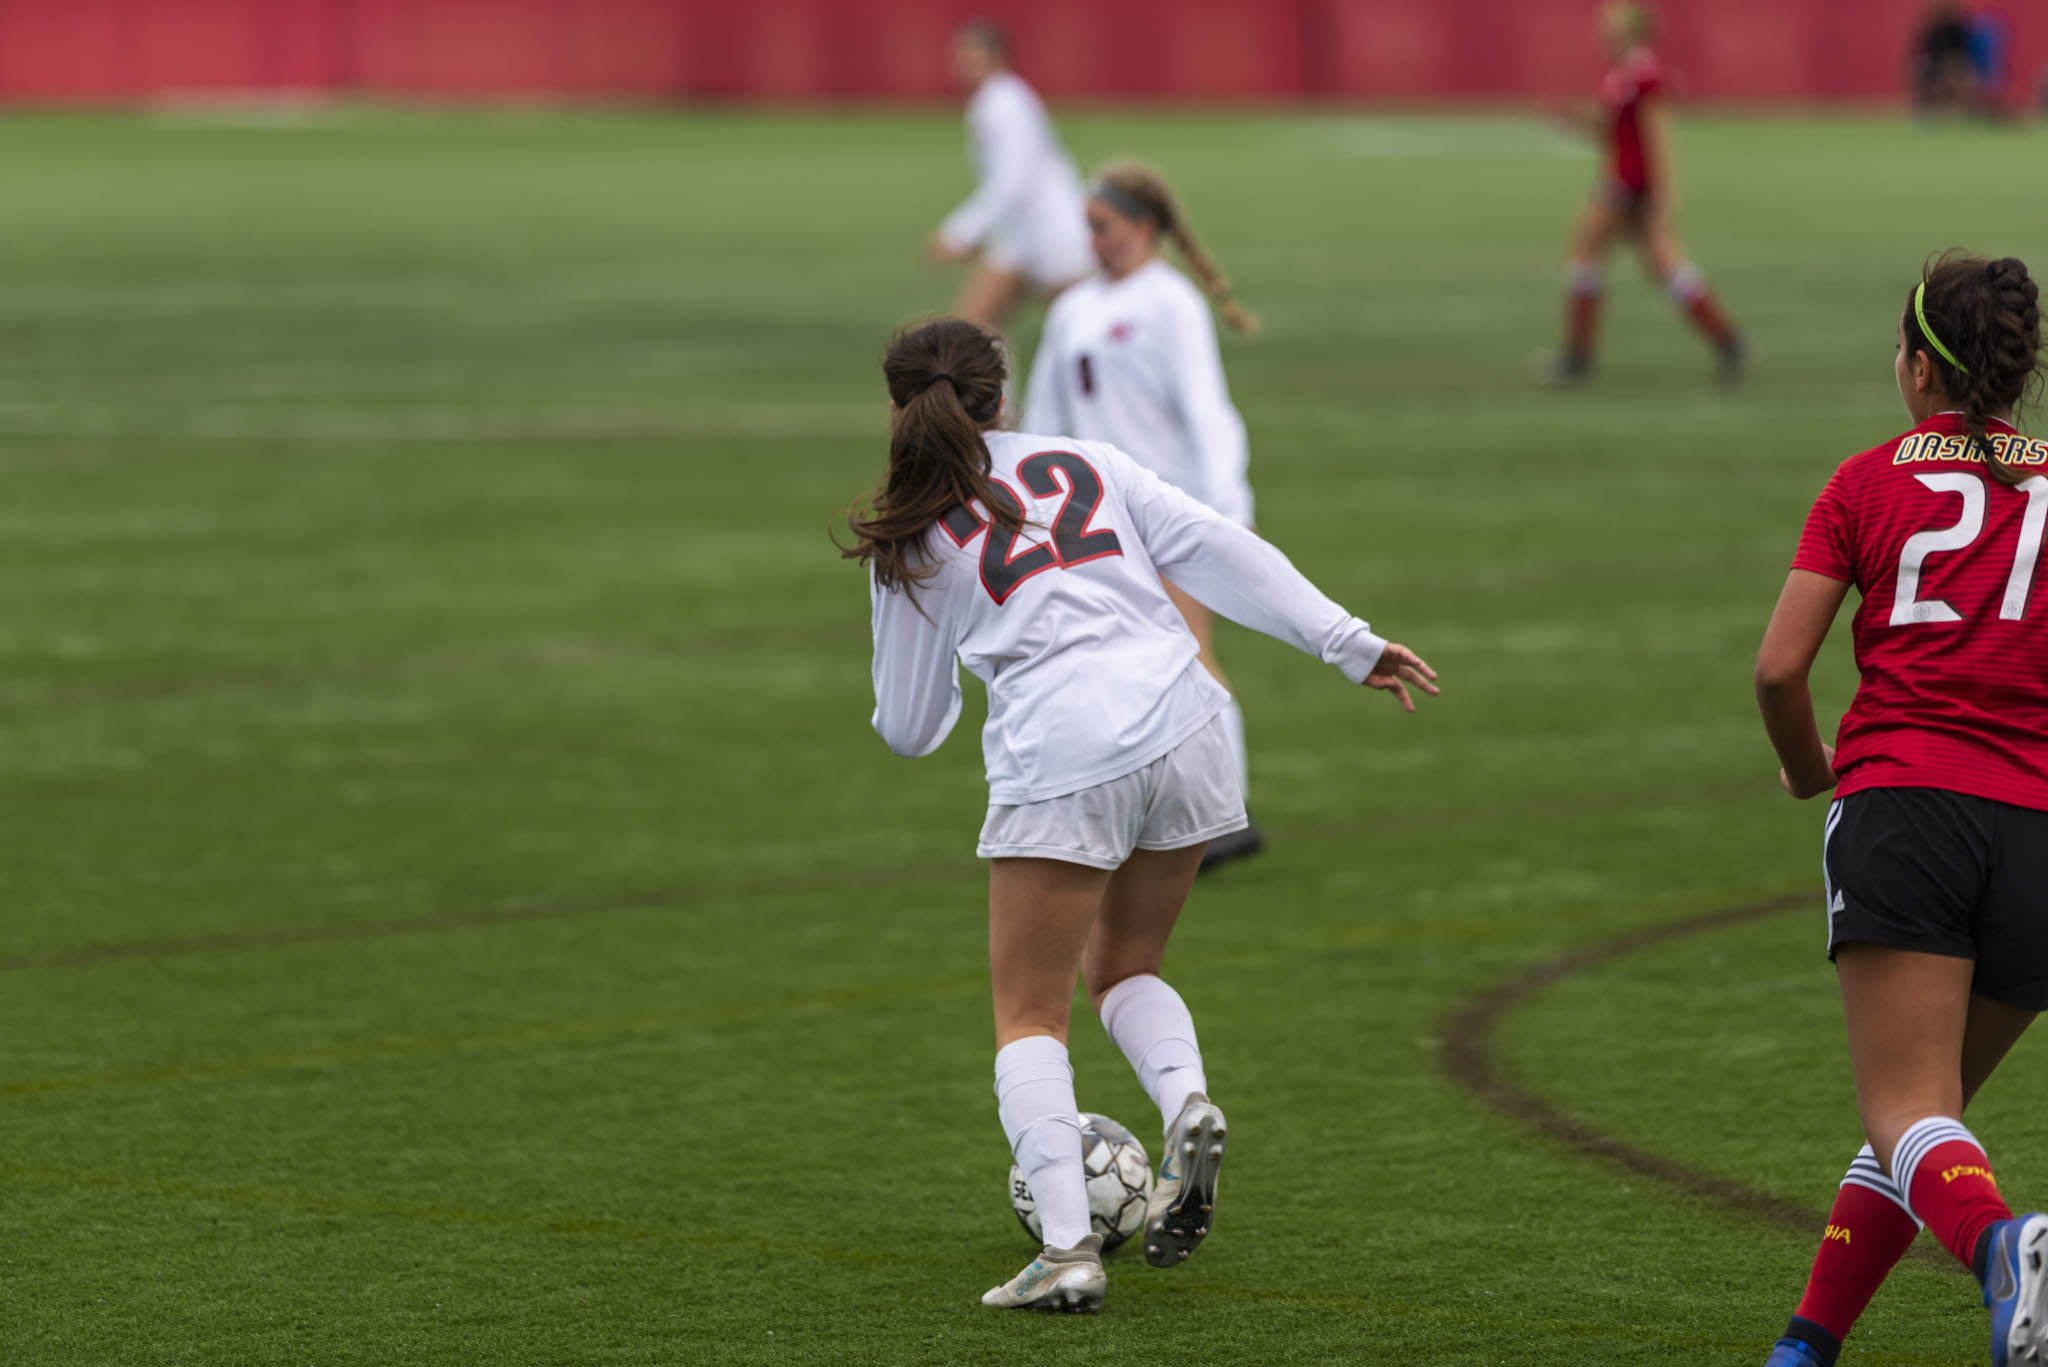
(914,736)
(1353,648)
(957,235)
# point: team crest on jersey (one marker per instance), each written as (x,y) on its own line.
(1121,332)
(2012,448)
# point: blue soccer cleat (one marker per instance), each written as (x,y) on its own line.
(2016,1290)
(1793,1353)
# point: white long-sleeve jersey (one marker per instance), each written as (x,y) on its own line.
(1091,672)
(1134,362)
(1028,207)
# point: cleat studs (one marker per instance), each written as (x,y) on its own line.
(1215,1150)
(1188,1149)
(1207,1209)
(1151,1248)
(1183,1255)
(1202,1232)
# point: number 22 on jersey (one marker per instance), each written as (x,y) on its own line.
(1909,608)
(1072,542)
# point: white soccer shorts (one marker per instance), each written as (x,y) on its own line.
(1188,796)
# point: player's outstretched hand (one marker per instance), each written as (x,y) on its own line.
(1397,668)
(1803,791)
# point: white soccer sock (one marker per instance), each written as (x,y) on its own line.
(1865,1172)
(1232,718)
(1035,1099)
(1584,278)
(1150,1023)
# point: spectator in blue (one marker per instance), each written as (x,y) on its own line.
(1990,50)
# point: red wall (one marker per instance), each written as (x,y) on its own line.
(107,51)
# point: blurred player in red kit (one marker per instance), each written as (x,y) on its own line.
(1936,847)
(1632,202)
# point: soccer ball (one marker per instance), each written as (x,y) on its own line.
(1119,1179)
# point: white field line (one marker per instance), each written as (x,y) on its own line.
(368,426)
(471,300)
(1578,411)
(1395,138)
(361,425)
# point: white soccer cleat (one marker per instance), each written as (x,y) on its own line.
(1184,1201)
(1069,1280)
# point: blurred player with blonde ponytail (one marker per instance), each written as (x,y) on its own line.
(1632,204)
(1129,356)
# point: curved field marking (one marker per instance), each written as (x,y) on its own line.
(1467,1056)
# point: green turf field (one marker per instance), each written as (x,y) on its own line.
(455,910)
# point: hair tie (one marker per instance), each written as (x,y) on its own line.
(1920,312)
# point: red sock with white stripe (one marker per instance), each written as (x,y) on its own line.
(1868,1231)
(1583,288)
(1688,285)
(1947,1180)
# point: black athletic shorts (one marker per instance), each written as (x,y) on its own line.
(1632,202)
(1944,873)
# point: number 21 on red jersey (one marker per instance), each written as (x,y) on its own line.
(1908,608)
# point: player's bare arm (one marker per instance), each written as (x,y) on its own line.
(1806,609)
(1655,119)
(1580,118)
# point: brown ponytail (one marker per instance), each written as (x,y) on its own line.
(1149,189)
(1988,315)
(946,378)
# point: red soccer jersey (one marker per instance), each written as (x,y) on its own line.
(1631,81)
(1952,634)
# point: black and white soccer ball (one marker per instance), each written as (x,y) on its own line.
(1119,1183)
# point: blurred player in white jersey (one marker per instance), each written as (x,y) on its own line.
(1024,216)
(1036,561)
(1129,357)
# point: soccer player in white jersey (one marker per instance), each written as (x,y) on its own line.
(1024,216)
(1036,562)
(1129,357)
